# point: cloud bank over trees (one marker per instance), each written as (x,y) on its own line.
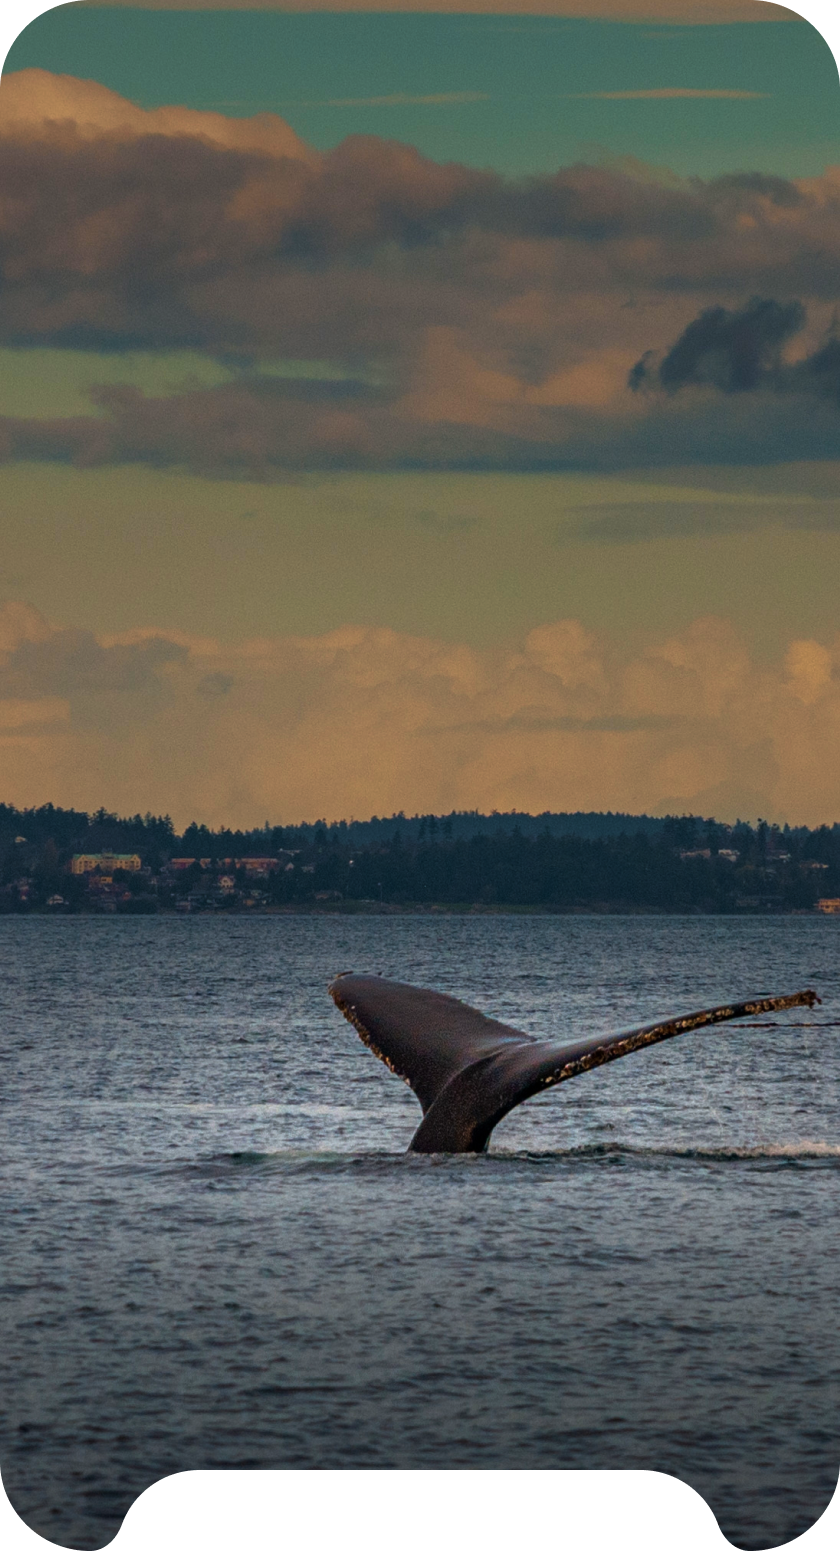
(363,720)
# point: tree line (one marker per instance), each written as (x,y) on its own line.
(457,860)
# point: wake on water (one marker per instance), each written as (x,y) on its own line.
(296,1161)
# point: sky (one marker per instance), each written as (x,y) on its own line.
(420,411)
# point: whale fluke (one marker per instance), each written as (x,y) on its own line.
(468,1071)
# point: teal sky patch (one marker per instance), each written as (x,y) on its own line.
(521,94)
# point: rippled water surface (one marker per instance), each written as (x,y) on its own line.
(215,1253)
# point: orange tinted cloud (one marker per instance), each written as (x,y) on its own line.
(680,11)
(365,720)
(477,418)
(667,92)
(476,321)
(38,101)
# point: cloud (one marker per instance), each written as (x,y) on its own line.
(16,715)
(364,720)
(214,685)
(667,92)
(684,12)
(39,102)
(743,351)
(733,351)
(38,660)
(627,522)
(469,321)
(20,624)
(473,419)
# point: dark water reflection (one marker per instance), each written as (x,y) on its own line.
(215,1253)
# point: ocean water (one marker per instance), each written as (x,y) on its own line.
(215,1253)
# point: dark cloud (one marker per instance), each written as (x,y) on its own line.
(118,240)
(73,662)
(734,351)
(233,432)
(470,321)
(530,721)
(628,522)
(819,372)
(729,373)
(779,191)
(215,685)
(741,352)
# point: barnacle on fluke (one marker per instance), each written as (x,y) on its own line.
(468,1071)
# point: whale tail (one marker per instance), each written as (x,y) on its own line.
(469,1071)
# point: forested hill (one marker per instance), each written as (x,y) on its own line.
(552,861)
(68,827)
(155,839)
(465,825)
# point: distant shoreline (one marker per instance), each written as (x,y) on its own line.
(62,862)
(362,908)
